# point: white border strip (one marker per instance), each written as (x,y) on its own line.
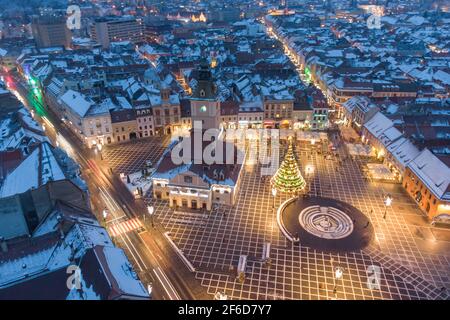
(180,253)
(280,223)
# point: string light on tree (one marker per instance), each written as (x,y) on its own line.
(288,177)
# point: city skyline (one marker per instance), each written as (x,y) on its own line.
(209,150)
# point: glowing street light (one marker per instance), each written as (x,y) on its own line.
(150,289)
(309,169)
(387,203)
(274,194)
(338,274)
(105,214)
(99,148)
(151,210)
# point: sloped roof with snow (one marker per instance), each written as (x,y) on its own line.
(442,76)
(77,101)
(403,150)
(389,135)
(40,261)
(37,169)
(121,274)
(378,124)
(433,173)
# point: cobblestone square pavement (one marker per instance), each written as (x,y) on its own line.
(413,256)
(131,156)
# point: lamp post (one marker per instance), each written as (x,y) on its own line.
(387,203)
(151,210)
(309,170)
(338,274)
(99,147)
(150,290)
(105,215)
(274,194)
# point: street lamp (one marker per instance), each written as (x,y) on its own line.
(274,194)
(387,203)
(309,169)
(338,274)
(151,210)
(105,215)
(99,147)
(150,289)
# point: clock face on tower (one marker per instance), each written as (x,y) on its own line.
(203,109)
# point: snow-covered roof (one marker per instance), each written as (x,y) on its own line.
(442,76)
(17,133)
(43,260)
(76,101)
(433,173)
(403,151)
(389,135)
(122,272)
(37,169)
(15,269)
(378,124)
(360,102)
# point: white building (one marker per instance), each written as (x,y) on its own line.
(90,121)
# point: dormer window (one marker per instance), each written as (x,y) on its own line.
(202,93)
(187,179)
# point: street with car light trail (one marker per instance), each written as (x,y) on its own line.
(154,259)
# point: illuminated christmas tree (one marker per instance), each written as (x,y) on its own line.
(288,177)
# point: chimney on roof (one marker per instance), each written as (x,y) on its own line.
(60,226)
(72,253)
(3,244)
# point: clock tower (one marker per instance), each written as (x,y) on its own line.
(204,104)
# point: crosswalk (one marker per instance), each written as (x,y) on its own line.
(124,227)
